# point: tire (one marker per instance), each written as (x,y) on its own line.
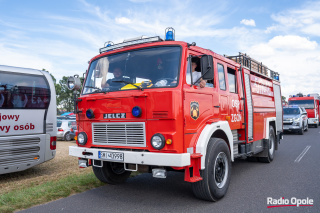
(307,127)
(67,137)
(217,172)
(301,131)
(112,173)
(270,147)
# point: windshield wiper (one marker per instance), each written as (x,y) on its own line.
(128,82)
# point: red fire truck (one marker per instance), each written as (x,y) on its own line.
(310,103)
(154,117)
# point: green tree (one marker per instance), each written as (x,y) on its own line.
(65,96)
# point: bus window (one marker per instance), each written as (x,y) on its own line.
(23,91)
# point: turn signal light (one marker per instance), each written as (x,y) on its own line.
(168,141)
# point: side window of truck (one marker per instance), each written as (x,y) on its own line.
(232,80)
(222,80)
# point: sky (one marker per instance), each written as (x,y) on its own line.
(62,36)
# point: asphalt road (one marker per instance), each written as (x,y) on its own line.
(294,173)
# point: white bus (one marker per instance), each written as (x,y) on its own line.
(28,118)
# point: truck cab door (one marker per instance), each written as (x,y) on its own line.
(198,106)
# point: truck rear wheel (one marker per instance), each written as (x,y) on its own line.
(112,173)
(217,172)
(270,147)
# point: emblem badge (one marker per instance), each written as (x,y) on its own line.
(194,110)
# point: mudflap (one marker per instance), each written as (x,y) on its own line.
(265,151)
(194,167)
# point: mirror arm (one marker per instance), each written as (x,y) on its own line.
(202,75)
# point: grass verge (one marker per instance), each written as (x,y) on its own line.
(48,191)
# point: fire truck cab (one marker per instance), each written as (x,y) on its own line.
(310,103)
(154,117)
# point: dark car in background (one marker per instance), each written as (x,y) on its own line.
(295,119)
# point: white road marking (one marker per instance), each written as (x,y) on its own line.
(302,154)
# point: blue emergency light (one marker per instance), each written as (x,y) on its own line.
(169,32)
(136,111)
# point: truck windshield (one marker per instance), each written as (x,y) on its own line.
(291,111)
(308,104)
(138,69)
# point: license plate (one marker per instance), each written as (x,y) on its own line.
(114,156)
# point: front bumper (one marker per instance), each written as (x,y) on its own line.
(136,157)
(291,127)
(313,121)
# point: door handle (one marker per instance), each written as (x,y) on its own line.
(217,106)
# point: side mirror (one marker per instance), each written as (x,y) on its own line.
(74,83)
(206,63)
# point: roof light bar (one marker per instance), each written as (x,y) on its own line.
(129,43)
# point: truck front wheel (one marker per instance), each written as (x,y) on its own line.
(112,173)
(217,172)
(270,146)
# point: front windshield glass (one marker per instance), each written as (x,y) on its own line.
(139,69)
(291,111)
(307,104)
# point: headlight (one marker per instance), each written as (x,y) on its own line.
(89,114)
(157,141)
(82,138)
(296,120)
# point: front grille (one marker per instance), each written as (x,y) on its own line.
(15,151)
(119,134)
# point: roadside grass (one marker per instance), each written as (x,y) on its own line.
(29,196)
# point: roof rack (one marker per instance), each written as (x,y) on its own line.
(254,66)
(129,42)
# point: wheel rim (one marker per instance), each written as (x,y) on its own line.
(117,168)
(68,137)
(221,169)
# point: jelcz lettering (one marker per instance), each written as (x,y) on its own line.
(114,115)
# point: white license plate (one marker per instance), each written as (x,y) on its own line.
(114,156)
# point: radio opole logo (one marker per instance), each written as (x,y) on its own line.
(282,202)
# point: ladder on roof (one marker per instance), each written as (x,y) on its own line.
(254,66)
